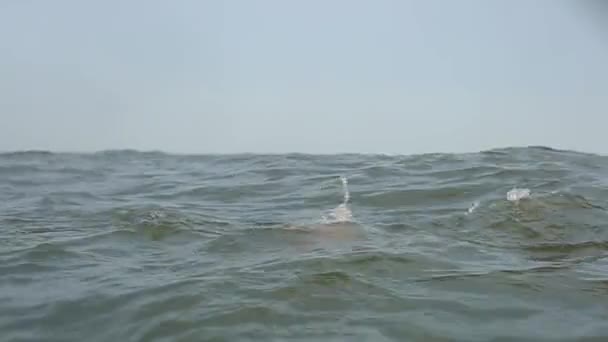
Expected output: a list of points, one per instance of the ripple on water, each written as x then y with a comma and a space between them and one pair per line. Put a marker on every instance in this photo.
131, 246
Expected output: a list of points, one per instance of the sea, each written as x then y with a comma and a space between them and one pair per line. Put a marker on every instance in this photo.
508, 244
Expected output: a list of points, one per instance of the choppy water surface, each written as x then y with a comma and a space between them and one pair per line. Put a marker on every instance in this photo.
128, 246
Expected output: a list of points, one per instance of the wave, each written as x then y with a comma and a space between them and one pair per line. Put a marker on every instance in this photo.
166, 244
506, 150
27, 153
131, 152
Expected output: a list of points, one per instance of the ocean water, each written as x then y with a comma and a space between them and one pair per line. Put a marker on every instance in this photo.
504, 245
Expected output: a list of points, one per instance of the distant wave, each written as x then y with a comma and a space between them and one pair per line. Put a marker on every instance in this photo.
27, 153
130, 152
296, 155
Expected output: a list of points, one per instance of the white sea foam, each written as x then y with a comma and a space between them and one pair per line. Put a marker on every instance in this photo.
516, 194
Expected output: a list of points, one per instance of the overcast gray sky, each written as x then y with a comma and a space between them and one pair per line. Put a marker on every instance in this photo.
317, 76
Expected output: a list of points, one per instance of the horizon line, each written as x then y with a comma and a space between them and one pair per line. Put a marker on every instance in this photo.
166, 152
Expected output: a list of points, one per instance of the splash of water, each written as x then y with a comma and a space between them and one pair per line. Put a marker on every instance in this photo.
345, 189
474, 206
516, 194
341, 213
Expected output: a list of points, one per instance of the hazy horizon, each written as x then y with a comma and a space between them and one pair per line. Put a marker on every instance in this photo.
217, 77
175, 153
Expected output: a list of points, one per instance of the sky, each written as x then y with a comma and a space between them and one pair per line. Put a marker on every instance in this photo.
314, 76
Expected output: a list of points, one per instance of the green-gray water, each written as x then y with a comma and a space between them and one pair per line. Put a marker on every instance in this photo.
129, 246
